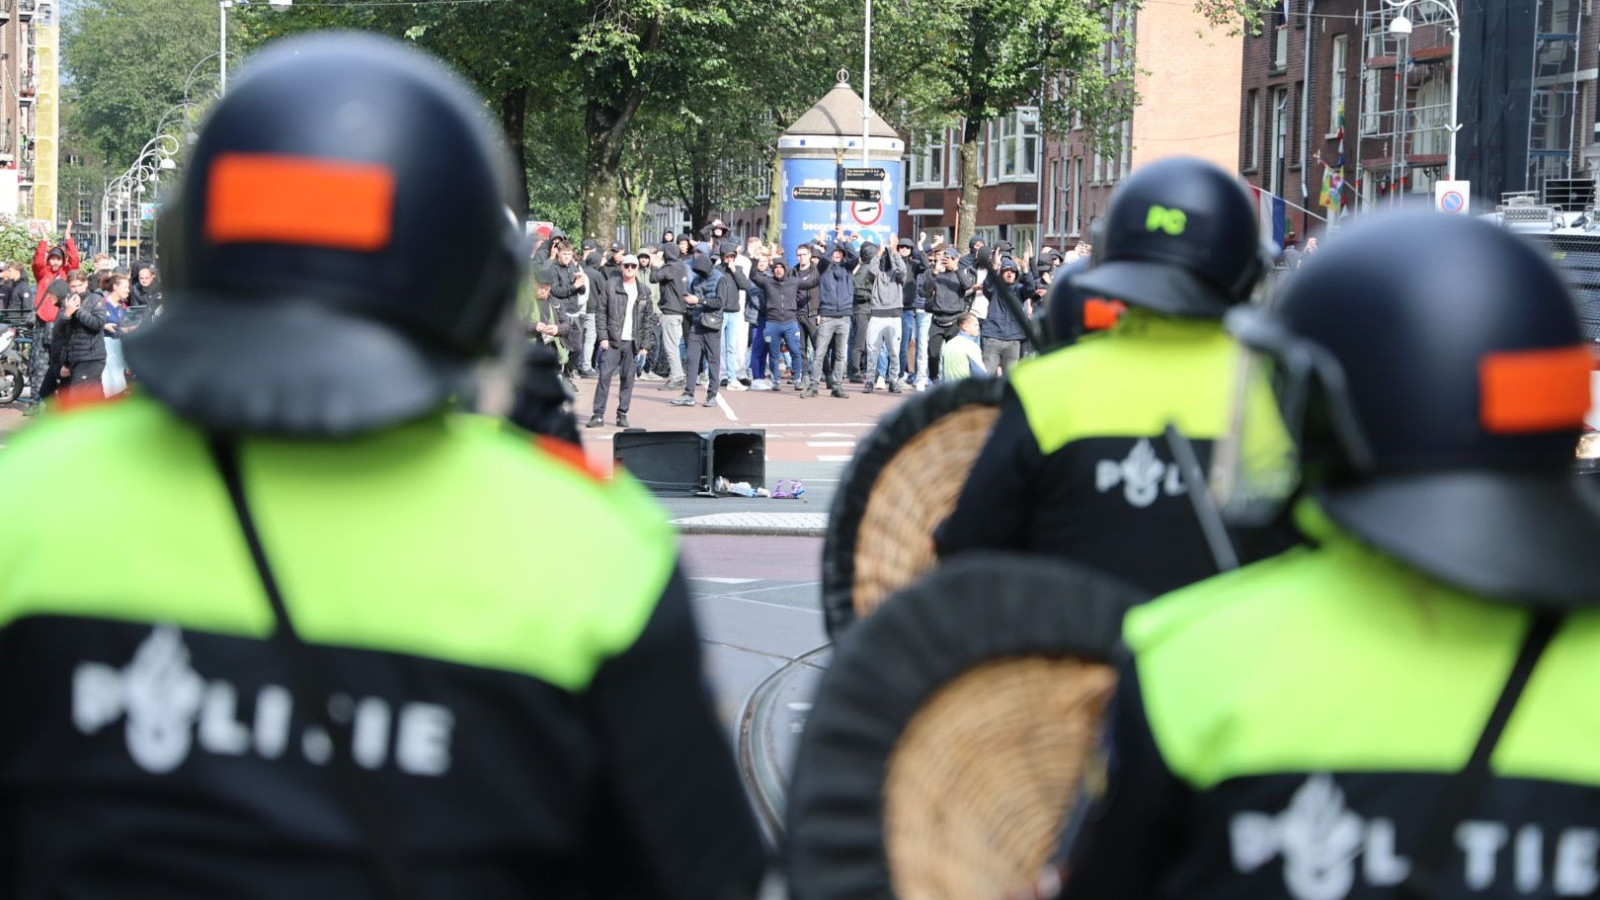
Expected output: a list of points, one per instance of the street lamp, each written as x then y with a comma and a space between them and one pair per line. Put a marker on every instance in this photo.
1451, 11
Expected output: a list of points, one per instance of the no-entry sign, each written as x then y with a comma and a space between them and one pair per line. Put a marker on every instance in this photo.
1454, 197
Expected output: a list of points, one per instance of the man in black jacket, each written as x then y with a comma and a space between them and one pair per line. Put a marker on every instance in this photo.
836, 290
782, 291
861, 312
713, 295
672, 274
83, 318
949, 289
625, 320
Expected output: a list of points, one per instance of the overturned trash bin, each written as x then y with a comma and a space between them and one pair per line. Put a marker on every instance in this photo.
737, 455
665, 462
690, 462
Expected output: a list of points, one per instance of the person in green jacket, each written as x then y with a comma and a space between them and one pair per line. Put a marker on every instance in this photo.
1406, 706
340, 647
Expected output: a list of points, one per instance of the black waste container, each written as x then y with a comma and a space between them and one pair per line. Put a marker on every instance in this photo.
737, 455
666, 462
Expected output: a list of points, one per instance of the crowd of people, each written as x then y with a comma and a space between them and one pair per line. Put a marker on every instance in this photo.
726, 314
352, 641
77, 318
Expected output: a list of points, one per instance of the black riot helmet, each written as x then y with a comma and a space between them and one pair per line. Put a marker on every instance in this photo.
1070, 313
341, 251
1431, 372
1181, 237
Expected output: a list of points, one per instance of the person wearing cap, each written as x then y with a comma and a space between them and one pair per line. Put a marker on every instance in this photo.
357, 649
1404, 707
626, 320
1079, 464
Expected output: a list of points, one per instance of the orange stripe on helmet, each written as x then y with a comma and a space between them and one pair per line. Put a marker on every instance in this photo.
1534, 390
259, 198
1100, 314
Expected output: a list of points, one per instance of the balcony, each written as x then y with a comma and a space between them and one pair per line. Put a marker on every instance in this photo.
25, 10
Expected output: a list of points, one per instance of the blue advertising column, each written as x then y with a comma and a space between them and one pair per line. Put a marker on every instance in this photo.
829, 137
805, 215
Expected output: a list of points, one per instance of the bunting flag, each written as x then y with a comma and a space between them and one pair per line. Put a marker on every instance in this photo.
1326, 197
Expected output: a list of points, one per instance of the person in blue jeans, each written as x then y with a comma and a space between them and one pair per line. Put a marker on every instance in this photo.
783, 330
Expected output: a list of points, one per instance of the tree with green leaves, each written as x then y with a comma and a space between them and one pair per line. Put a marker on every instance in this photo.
126, 61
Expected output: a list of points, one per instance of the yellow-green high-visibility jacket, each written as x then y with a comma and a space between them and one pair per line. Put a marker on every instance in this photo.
514, 673
1077, 465
1286, 730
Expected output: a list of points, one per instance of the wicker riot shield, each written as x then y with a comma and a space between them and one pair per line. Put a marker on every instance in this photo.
903, 482
948, 735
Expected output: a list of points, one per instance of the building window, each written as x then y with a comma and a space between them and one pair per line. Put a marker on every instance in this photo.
1055, 196
1028, 146
1099, 168
1280, 139
1008, 146
1077, 196
927, 160
1337, 57
1252, 130
1295, 102
1280, 48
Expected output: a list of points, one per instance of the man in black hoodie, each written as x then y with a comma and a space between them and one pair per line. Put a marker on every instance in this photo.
949, 290
836, 290
782, 291
861, 311
712, 296
670, 274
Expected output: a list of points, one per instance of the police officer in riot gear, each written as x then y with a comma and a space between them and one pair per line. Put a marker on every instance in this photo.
338, 647
1077, 465
1405, 707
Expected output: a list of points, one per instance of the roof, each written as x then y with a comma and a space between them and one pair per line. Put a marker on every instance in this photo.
837, 114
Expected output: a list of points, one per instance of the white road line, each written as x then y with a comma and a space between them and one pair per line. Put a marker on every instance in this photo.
726, 409
813, 424
726, 580
829, 434
830, 443
826, 458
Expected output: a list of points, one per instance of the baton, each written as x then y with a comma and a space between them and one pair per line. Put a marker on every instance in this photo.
1205, 511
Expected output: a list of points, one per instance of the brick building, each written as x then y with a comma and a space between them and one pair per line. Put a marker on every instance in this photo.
1331, 74
1058, 187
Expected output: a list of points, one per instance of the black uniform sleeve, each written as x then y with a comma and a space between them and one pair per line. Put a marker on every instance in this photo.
1126, 828
994, 509
679, 825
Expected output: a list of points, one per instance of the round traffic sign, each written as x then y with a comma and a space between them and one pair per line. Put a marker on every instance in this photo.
866, 213
1452, 201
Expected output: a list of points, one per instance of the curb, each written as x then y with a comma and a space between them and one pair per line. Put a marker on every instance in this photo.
786, 531
765, 524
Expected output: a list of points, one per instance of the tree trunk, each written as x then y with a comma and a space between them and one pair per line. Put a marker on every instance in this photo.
514, 119
775, 202
967, 206
602, 171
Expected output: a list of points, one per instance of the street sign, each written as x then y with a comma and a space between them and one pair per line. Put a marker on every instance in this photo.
853, 195
866, 214
814, 193
865, 174
1454, 197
